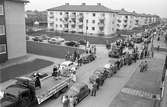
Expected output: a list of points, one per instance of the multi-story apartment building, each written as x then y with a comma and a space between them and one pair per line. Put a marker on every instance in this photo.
93, 19
125, 20
12, 29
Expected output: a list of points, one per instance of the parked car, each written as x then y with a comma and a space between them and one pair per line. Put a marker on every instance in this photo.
138, 39
56, 40
109, 69
72, 43
38, 39
67, 66
86, 58
78, 92
82, 42
45, 37
98, 73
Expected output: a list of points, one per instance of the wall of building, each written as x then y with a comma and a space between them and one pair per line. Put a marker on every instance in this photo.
15, 29
3, 42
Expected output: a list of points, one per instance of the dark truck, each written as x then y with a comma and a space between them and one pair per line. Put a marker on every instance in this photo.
24, 93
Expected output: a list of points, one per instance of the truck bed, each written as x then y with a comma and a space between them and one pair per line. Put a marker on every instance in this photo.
47, 85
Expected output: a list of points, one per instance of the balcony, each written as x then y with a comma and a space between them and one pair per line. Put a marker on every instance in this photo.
101, 17
101, 24
80, 16
80, 23
65, 16
72, 16
65, 29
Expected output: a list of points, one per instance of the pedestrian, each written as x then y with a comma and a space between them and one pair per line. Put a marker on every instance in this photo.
65, 101
74, 77
71, 99
141, 66
98, 83
158, 47
94, 89
145, 66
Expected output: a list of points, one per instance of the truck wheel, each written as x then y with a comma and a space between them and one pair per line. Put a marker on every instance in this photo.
56, 95
64, 89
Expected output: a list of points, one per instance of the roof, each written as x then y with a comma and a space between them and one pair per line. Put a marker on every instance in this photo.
82, 8
123, 12
23, 1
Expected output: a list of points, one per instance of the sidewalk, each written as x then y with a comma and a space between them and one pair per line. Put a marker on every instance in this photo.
141, 89
162, 43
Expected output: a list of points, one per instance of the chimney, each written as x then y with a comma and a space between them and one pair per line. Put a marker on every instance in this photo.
99, 4
67, 4
83, 4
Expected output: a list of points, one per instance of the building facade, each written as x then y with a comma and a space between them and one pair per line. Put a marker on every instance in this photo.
12, 29
93, 19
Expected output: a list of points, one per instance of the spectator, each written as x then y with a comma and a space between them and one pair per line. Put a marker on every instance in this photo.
94, 89
65, 101
74, 77
71, 101
98, 83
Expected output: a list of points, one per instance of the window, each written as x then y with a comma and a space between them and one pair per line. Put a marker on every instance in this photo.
87, 21
51, 24
86, 27
2, 48
51, 13
93, 21
60, 13
113, 22
2, 30
113, 15
93, 28
60, 26
1, 10
60, 19
56, 25
112, 29
94, 14
56, 19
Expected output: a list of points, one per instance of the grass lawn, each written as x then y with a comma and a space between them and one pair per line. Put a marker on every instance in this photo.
22, 69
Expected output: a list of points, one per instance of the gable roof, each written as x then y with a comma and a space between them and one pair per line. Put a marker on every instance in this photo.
124, 12
82, 8
23, 1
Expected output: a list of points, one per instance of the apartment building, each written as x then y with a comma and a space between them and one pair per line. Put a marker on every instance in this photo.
12, 29
93, 19
125, 20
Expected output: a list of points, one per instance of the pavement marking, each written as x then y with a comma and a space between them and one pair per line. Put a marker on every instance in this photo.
140, 93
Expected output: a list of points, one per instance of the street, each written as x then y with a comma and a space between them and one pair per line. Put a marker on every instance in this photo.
111, 88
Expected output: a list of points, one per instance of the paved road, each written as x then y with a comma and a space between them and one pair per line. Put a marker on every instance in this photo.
106, 93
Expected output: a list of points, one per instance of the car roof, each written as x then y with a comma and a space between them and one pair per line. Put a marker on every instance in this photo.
79, 85
15, 90
66, 63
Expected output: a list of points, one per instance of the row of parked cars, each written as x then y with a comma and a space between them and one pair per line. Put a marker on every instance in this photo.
80, 90
57, 40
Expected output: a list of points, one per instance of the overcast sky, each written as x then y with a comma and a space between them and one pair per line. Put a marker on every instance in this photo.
158, 7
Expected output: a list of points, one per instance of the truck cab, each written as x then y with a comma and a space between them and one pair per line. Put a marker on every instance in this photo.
17, 95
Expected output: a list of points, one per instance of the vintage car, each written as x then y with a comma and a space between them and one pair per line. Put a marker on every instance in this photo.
98, 73
115, 51
86, 58
138, 39
72, 43
56, 40
68, 66
78, 92
109, 69
38, 38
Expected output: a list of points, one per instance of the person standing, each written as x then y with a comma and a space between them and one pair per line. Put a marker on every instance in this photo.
65, 101
94, 89
71, 100
98, 83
